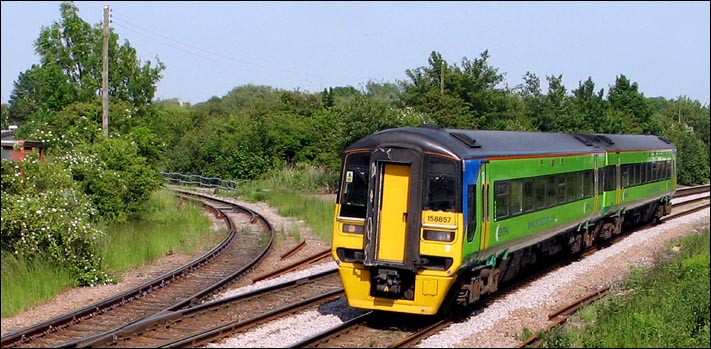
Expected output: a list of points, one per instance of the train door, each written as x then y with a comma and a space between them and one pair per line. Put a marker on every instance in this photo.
393, 219
597, 184
485, 209
472, 206
618, 180
392, 216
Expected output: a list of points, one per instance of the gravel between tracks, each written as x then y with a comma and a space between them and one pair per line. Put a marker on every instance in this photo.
499, 325
503, 323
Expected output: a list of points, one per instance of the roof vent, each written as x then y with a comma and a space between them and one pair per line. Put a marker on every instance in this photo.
464, 138
605, 139
583, 138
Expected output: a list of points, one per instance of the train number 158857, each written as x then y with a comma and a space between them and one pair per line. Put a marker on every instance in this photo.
439, 219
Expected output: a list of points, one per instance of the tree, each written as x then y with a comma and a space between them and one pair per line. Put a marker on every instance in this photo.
464, 97
588, 106
554, 116
70, 69
4, 118
626, 102
686, 124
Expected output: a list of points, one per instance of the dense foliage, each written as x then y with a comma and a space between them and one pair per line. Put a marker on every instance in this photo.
51, 210
254, 131
46, 215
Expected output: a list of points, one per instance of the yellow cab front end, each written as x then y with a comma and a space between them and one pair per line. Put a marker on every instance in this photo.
440, 249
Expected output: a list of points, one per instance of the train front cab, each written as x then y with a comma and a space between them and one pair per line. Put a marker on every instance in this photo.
397, 233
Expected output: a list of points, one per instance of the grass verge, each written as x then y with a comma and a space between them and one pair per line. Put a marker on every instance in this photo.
27, 283
169, 225
291, 192
666, 306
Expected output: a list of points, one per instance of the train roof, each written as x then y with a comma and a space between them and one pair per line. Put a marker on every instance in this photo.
465, 144
617, 142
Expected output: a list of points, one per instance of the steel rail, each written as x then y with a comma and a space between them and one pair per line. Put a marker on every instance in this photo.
28, 334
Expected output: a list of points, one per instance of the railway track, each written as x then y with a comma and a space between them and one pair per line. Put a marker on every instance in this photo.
365, 331
213, 320
195, 325
686, 191
188, 285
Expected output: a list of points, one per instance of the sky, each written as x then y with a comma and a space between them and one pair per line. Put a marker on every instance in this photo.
211, 47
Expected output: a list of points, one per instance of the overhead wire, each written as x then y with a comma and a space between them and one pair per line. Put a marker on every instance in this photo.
158, 37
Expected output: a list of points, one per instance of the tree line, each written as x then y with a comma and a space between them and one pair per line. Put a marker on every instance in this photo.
255, 130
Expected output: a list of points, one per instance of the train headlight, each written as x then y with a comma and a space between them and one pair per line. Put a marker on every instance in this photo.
438, 235
353, 228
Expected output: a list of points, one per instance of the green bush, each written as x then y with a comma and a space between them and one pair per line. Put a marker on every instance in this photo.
44, 215
114, 176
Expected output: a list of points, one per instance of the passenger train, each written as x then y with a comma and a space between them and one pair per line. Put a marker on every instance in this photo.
428, 218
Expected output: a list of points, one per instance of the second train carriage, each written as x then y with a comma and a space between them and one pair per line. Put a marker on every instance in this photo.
427, 216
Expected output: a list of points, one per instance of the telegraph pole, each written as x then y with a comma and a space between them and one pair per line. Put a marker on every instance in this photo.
441, 78
105, 75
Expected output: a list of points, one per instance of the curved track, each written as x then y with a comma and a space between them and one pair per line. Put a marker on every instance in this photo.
180, 288
200, 324
211, 321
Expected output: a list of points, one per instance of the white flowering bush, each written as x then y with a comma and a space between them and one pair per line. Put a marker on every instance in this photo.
45, 215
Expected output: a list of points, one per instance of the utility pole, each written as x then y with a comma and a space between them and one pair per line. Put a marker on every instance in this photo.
441, 78
105, 75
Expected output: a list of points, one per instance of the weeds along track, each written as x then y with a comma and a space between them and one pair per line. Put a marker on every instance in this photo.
248, 239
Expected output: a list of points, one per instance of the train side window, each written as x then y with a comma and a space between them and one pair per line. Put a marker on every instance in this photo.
669, 169
625, 169
570, 185
501, 199
516, 197
655, 171
561, 188
354, 190
663, 170
649, 172
551, 188
609, 178
588, 184
471, 224
529, 197
540, 186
